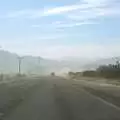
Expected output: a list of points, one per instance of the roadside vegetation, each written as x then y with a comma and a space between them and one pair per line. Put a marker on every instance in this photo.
105, 71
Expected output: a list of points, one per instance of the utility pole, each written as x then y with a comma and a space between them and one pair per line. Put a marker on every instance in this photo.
117, 60
19, 64
38, 68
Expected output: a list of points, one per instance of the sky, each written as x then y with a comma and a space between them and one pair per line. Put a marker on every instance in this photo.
61, 28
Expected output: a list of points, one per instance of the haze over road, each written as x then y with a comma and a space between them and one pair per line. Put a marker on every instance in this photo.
55, 98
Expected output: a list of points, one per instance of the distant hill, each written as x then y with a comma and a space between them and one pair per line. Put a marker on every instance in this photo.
9, 63
31, 64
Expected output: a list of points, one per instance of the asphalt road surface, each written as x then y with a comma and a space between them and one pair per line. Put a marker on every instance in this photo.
55, 98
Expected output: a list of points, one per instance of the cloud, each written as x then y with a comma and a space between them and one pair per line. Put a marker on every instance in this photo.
90, 6
85, 12
85, 5
96, 2
100, 8
64, 9
36, 13
75, 24
62, 24
48, 11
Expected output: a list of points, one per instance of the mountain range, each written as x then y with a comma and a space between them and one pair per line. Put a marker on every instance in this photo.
31, 64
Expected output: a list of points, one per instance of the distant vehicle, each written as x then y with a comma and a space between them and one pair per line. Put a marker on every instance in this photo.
52, 74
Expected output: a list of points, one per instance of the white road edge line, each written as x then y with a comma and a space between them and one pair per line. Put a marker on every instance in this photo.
102, 100
102, 84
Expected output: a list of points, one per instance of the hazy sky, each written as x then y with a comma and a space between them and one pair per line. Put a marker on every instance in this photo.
58, 28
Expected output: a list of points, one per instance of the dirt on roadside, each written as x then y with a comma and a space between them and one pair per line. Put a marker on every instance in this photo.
12, 94
104, 95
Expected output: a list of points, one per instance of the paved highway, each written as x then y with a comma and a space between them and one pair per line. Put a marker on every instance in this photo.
54, 98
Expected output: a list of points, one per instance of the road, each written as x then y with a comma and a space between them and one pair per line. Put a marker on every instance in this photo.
55, 98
